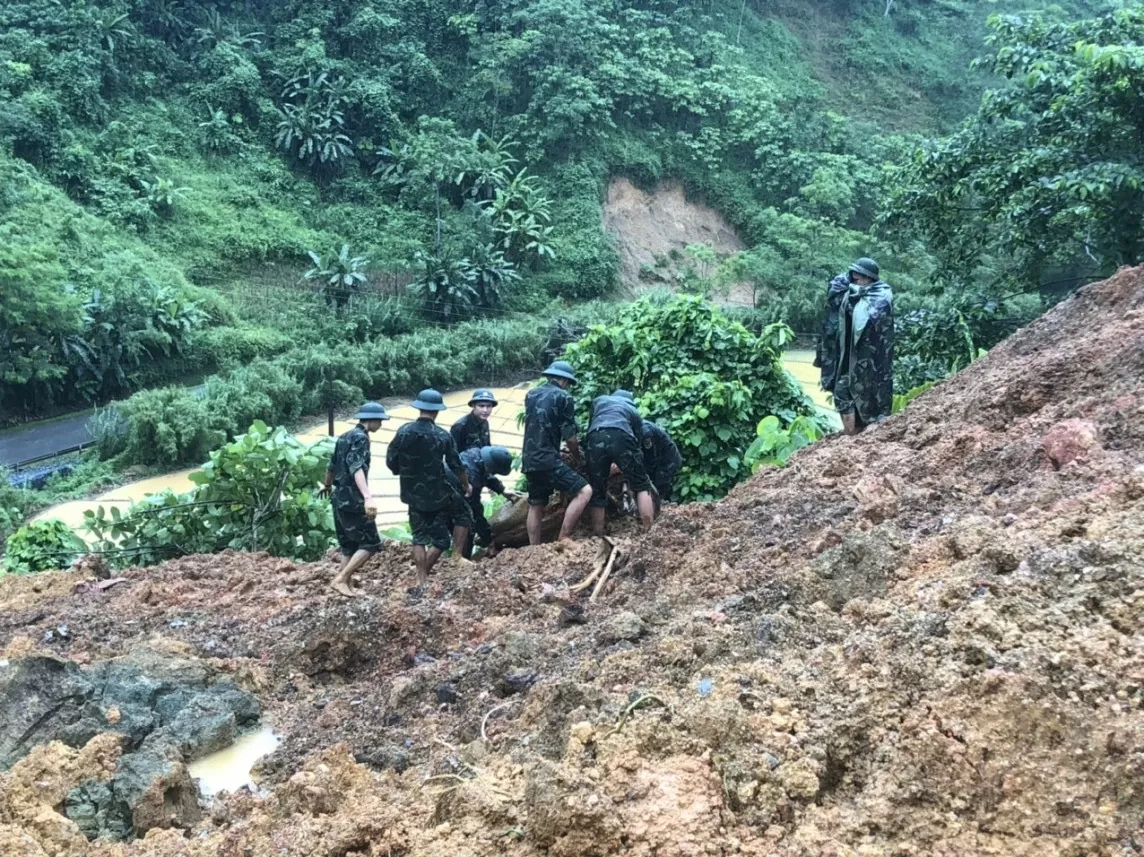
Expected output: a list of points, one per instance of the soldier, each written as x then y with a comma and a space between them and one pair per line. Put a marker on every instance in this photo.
549, 418
483, 466
614, 436
472, 430
661, 460
856, 349
419, 454
354, 511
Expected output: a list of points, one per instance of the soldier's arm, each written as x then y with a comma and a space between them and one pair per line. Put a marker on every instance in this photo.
494, 485
457, 433
569, 431
672, 460
453, 462
362, 484
393, 455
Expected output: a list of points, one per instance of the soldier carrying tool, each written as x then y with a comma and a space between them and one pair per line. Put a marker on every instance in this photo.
419, 454
856, 349
354, 511
472, 430
614, 436
483, 466
550, 418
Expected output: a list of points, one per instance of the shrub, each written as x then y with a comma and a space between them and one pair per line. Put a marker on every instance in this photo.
236, 346
258, 493
775, 444
41, 546
261, 390
169, 426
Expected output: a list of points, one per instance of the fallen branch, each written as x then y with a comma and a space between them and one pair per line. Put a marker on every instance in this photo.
485, 719
627, 712
603, 554
607, 571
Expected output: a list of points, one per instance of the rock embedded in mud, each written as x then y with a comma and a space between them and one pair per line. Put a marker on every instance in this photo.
1070, 440
623, 626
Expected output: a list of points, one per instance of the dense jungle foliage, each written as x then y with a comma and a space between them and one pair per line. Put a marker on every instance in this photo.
168, 169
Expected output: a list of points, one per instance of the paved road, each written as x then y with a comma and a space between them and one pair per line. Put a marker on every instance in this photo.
43, 438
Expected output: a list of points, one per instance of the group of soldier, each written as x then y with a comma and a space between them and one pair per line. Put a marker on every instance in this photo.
443, 475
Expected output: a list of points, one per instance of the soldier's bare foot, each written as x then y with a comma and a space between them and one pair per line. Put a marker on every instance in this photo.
343, 588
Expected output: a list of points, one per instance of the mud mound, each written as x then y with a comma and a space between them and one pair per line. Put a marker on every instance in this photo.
921, 641
652, 229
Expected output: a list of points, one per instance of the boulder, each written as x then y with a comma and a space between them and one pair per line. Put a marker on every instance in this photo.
1070, 440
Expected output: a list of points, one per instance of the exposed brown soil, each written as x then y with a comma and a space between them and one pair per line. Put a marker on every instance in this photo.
652, 229
925, 640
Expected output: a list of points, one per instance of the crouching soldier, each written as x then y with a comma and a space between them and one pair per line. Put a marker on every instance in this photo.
472, 430
614, 438
354, 512
419, 454
483, 466
661, 460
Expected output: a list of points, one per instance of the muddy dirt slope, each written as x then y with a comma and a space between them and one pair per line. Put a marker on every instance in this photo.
923, 641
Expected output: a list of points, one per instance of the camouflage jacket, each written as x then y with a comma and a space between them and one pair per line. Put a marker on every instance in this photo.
661, 455
418, 454
469, 431
617, 413
549, 420
479, 476
351, 454
858, 341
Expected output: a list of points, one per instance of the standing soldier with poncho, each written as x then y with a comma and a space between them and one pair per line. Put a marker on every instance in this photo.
856, 350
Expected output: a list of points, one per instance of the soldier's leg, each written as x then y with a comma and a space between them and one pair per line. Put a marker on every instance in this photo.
600, 462
539, 490
420, 525
461, 515
845, 404
359, 533
571, 482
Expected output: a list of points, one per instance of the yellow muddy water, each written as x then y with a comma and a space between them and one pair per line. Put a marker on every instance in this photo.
391, 511
229, 768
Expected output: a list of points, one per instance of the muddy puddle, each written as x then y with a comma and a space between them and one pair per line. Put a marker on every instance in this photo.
229, 769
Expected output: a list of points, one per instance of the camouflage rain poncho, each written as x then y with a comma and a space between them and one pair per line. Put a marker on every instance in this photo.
856, 351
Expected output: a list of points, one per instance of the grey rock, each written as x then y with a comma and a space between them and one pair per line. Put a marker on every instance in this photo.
624, 626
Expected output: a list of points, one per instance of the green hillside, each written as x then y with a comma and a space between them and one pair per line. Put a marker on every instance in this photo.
166, 168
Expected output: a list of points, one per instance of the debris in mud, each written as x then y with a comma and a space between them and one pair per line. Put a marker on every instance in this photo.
924, 640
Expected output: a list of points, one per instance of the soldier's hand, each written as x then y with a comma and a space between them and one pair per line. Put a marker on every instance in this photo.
511, 496
323, 493
468, 490
371, 508
615, 469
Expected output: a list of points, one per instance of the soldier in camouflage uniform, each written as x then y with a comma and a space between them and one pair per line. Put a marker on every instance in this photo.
354, 512
472, 430
856, 349
661, 460
483, 466
614, 436
419, 454
549, 418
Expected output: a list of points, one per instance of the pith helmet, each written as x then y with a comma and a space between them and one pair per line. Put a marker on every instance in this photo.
561, 369
371, 411
497, 459
866, 267
429, 400
624, 394
484, 394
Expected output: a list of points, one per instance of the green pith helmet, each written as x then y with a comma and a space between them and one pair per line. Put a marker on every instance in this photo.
484, 394
866, 267
497, 459
429, 400
624, 394
561, 369
371, 411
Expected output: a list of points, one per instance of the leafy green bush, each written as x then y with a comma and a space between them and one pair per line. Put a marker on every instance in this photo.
258, 493
237, 346
41, 546
775, 444
14, 503
703, 377
903, 399
169, 426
